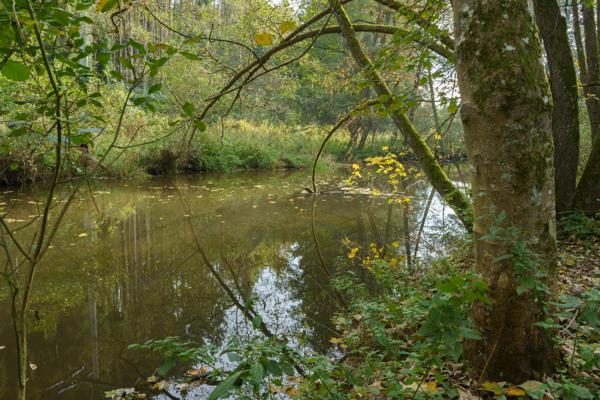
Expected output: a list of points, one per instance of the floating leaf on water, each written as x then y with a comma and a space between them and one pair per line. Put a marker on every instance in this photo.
197, 371
2, 347
33, 366
82, 235
119, 394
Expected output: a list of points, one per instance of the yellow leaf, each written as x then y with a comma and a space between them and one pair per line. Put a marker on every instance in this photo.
151, 379
81, 235
287, 26
570, 261
430, 387
335, 340
492, 387
263, 39
160, 385
103, 5
515, 391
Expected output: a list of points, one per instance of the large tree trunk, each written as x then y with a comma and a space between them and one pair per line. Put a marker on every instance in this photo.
506, 113
592, 83
588, 189
565, 114
427, 161
581, 62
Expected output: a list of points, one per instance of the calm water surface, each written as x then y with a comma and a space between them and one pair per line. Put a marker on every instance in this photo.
127, 269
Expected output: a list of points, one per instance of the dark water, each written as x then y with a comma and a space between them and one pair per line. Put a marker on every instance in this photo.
127, 269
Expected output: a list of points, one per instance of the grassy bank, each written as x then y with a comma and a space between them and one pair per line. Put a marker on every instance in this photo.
158, 144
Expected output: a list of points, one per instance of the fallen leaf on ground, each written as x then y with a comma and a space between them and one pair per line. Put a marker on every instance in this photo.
492, 387
466, 395
531, 386
515, 391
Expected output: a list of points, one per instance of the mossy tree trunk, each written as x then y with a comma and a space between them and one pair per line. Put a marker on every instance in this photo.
565, 114
592, 83
506, 113
581, 62
588, 189
427, 161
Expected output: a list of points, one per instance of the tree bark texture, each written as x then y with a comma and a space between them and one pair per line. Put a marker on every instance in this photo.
506, 114
565, 114
588, 189
592, 83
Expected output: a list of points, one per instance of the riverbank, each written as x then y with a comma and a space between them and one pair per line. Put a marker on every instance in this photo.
406, 339
236, 145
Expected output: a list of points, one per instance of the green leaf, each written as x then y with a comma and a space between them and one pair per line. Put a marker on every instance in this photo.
257, 372
166, 365
225, 387
190, 56
137, 45
126, 63
188, 108
15, 71
154, 88
469, 333
452, 107
18, 132
492, 387
117, 75
200, 125
532, 386
257, 322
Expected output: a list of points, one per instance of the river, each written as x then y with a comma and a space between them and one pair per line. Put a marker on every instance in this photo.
124, 267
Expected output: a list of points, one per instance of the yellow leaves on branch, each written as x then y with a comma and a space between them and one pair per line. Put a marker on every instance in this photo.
263, 39
105, 5
287, 26
352, 253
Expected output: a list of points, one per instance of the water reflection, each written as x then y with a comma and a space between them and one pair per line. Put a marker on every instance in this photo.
129, 271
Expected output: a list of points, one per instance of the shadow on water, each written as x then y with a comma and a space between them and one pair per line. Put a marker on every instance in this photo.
129, 271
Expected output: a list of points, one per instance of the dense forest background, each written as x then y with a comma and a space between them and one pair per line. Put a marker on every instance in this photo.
281, 115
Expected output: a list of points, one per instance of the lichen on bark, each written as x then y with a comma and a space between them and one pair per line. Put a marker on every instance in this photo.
506, 116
